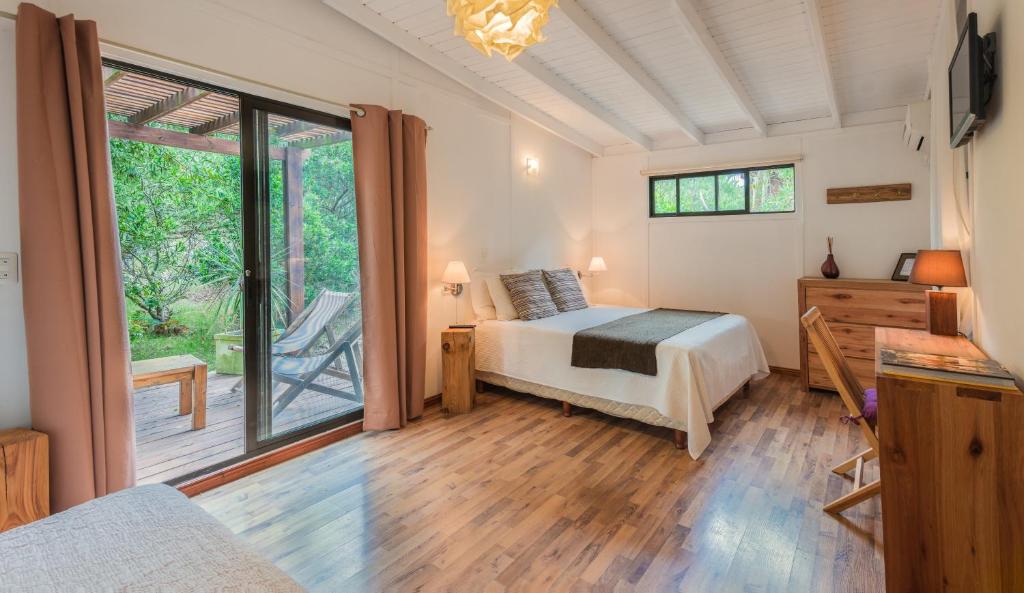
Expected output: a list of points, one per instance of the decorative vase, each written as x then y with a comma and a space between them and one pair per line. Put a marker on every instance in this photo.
829, 269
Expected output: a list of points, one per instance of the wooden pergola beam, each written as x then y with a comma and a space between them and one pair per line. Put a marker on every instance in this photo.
126, 131
224, 121
114, 77
165, 106
342, 136
296, 127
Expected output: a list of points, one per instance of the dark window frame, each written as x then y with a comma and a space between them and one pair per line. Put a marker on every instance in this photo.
716, 174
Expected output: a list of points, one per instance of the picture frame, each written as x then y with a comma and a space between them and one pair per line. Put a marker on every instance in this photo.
903, 267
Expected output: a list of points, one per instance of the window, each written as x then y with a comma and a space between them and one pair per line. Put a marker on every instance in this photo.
756, 190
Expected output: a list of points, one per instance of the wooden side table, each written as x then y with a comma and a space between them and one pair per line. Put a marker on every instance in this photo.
24, 477
190, 374
458, 370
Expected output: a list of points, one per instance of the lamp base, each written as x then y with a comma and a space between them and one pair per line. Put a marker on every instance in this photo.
942, 314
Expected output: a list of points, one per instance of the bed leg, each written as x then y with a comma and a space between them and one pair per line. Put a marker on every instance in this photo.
566, 409
479, 386
679, 437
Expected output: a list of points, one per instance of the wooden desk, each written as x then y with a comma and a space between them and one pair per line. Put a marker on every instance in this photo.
952, 469
190, 374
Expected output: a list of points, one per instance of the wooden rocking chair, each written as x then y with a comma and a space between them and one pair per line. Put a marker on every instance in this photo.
861, 404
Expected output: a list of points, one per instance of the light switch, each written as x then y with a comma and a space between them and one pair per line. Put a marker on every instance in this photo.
8, 268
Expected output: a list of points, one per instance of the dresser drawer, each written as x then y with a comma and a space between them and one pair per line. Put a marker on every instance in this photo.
863, 369
856, 341
892, 308
857, 298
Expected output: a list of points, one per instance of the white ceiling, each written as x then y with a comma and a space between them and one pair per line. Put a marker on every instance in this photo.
659, 73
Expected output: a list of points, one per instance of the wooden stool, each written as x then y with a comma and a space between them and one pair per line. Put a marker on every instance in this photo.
24, 477
186, 370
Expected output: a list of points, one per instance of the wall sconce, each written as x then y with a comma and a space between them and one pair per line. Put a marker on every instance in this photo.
596, 265
455, 275
532, 166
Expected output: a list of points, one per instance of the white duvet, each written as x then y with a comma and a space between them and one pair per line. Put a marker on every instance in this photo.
698, 369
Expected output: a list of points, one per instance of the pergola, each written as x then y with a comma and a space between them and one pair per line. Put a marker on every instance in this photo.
143, 100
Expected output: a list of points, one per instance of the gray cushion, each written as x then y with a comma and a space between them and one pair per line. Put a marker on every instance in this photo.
565, 289
530, 295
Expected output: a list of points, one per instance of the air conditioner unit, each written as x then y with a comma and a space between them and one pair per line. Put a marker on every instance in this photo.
916, 126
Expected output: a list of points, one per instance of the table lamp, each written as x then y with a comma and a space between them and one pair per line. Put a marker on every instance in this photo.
940, 267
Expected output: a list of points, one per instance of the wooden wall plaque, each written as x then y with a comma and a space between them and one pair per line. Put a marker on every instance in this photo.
872, 193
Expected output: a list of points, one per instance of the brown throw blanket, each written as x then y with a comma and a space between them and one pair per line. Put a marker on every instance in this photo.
630, 343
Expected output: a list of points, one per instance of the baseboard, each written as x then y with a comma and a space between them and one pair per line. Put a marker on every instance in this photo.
433, 400
784, 371
250, 466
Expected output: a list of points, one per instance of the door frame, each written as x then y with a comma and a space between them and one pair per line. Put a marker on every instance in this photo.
255, 249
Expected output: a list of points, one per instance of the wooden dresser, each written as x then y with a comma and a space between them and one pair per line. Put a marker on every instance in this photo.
950, 452
853, 309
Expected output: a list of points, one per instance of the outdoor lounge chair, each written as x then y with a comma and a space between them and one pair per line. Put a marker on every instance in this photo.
294, 364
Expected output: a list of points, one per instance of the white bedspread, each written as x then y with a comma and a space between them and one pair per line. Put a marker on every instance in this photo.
149, 539
697, 369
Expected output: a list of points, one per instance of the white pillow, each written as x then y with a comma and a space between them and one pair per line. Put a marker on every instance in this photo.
480, 296
502, 299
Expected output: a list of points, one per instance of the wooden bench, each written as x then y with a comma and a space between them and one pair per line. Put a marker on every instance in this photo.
186, 370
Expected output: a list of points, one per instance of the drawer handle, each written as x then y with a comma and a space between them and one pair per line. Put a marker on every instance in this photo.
982, 394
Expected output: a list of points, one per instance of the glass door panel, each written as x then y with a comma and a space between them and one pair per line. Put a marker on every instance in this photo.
310, 296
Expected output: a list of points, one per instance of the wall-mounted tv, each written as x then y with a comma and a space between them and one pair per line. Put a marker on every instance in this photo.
970, 78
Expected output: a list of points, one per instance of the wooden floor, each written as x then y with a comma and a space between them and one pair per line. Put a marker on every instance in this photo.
514, 497
166, 447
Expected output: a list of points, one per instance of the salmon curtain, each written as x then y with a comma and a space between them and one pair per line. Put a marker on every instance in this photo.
75, 326
389, 152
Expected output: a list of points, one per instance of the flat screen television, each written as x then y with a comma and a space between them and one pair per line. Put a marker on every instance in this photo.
967, 77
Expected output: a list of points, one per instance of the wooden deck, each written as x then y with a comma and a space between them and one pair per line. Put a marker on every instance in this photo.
513, 497
167, 447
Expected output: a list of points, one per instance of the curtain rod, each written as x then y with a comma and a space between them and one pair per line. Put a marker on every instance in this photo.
359, 111
722, 166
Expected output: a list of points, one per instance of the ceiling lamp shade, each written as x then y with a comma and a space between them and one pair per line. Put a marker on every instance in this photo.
504, 26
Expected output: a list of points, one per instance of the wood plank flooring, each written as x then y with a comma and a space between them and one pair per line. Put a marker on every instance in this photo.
514, 497
166, 447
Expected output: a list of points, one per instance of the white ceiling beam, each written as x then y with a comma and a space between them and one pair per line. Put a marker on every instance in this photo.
355, 10
590, 29
545, 76
690, 19
821, 54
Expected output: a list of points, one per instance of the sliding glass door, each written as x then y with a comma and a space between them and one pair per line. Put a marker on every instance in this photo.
240, 261
304, 312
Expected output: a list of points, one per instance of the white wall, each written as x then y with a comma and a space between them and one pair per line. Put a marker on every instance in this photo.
750, 264
984, 216
483, 209
13, 372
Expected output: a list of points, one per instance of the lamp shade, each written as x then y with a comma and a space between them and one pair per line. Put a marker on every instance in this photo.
939, 267
505, 26
597, 264
455, 273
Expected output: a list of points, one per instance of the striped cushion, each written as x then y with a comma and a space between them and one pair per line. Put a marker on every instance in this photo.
565, 289
530, 296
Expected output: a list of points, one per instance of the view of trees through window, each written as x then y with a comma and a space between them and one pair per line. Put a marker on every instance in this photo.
179, 221
753, 191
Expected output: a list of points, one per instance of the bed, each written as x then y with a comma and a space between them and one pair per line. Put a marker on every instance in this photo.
145, 539
698, 369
